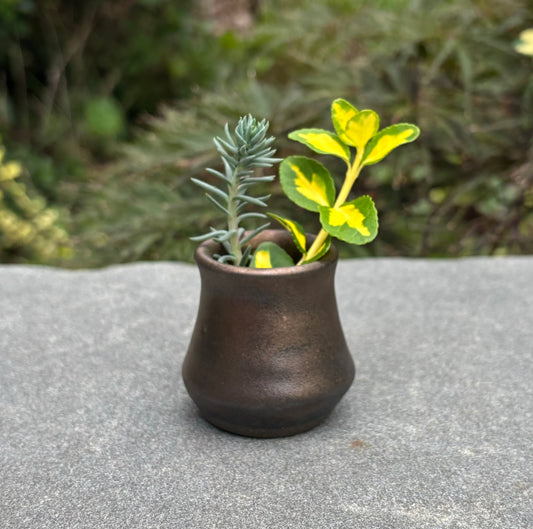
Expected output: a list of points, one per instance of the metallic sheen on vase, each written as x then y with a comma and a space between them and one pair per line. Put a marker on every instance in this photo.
268, 357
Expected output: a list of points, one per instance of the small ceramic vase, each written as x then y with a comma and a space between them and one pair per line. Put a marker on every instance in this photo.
268, 357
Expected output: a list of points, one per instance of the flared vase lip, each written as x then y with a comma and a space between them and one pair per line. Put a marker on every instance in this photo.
203, 256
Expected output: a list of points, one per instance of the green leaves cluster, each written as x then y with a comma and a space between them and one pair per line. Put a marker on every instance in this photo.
309, 184
30, 230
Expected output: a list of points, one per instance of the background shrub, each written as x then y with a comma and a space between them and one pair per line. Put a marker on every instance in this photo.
30, 231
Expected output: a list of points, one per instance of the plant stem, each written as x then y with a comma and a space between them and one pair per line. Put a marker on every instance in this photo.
317, 244
233, 221
351, 176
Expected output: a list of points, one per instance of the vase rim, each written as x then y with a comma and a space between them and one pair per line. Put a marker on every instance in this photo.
204, 257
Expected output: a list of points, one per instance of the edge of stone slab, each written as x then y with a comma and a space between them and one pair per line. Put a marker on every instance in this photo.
173, 264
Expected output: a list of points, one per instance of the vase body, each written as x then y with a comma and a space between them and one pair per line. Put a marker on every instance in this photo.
267, 357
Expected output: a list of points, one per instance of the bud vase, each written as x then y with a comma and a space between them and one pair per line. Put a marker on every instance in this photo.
267, 357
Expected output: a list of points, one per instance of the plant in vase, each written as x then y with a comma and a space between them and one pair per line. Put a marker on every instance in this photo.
309, 184
246, 150
268, 356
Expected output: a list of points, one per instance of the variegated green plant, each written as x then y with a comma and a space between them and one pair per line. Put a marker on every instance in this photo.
309, 184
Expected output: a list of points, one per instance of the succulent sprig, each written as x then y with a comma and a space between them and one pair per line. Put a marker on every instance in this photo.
242, 152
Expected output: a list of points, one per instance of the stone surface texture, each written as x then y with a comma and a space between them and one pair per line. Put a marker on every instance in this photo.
97, 431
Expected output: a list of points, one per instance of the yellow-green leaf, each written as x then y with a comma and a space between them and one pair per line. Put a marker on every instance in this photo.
295, 229
360, 129
306, 182
322, 141
341, 113
269, 255
388, 139
355, 222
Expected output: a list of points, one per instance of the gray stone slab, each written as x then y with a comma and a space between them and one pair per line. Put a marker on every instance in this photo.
97, 431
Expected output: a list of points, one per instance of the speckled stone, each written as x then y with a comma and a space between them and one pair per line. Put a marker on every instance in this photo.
97, 431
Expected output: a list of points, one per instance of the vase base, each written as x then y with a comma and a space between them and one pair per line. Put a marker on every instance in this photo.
270, 417
262, 432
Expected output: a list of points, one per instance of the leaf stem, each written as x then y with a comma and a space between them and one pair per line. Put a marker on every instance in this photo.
351, 176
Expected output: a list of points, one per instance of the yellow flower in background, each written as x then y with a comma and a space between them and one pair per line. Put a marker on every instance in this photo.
524, 44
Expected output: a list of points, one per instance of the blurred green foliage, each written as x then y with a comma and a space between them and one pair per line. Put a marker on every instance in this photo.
465, 187
103, 117
59, 55
74, 76
30, 231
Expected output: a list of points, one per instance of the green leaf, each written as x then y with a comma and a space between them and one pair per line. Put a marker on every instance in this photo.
360, 129
355, 222
295, 229
306, 182
269, 255
341, 113
324, 249
322, 141
388, 139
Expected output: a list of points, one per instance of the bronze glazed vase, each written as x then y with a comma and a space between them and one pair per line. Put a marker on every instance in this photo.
268, 357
